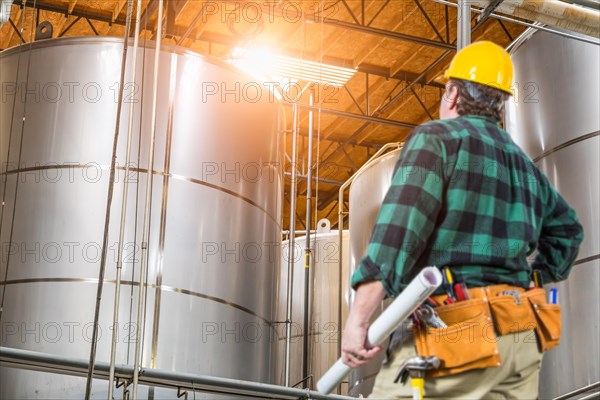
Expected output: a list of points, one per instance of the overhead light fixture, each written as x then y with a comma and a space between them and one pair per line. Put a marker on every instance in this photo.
311, 71
261, 63
5, 6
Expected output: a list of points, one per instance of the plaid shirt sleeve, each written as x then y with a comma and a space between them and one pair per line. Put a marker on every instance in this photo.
408, 214
559, 241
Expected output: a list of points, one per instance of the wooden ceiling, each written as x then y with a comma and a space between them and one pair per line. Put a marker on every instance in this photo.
400, 49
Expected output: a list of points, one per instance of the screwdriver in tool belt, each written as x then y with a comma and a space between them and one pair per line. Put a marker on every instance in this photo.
537, 278
447, 283
461, 291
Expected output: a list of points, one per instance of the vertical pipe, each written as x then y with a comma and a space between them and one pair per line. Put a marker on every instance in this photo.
367, 94
308, 248
341, 235
109, 198
113, 346
464, 24
146, 229
291, 252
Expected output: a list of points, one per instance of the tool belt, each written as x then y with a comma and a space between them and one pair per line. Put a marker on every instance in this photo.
470, 339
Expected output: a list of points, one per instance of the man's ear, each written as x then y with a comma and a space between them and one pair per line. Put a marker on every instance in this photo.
452, 97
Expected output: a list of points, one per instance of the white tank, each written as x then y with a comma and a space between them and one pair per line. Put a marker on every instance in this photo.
554, 118
324, 303
215, 216
367, 192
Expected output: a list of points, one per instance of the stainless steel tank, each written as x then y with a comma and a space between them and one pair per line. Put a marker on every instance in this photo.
324, 303
215, 213
366, 196
554, 118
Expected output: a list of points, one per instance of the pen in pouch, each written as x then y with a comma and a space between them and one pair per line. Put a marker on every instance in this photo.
553, 296
447, 283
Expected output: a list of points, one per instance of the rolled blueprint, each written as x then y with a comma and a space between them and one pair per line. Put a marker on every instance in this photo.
415, 293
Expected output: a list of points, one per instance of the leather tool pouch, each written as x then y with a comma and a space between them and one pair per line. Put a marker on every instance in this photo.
548, 318
469, 341
512, 314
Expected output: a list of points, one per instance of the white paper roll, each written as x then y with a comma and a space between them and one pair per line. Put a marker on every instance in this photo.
415, 293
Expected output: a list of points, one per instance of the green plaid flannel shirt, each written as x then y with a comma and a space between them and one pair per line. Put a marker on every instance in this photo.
464, 195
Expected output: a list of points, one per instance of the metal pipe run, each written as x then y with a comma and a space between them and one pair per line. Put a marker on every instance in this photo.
287, 232
113, 346
111, 186
32, 360
530, 25
308, 249
140, 320
463, 24
291, 248
555, 13
522, 37
585, 3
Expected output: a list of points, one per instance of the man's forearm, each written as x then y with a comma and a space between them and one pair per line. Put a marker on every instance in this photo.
368, 298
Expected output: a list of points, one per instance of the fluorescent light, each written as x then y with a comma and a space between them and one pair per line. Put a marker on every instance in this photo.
5, 11
260, 63
311, 71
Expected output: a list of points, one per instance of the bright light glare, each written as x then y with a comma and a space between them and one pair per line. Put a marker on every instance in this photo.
5, 11
262, 64
255, 62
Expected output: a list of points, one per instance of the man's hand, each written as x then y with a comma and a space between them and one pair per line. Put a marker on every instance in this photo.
356, 350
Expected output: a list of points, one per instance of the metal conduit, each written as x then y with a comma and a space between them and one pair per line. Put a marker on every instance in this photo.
140, 320
585, 3
291, 248
533, 25
111, 186
32, 360
463, 24
555, 13
10, 138
117, 301
308, 250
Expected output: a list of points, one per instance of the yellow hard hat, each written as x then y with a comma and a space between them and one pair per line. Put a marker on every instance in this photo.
485, 63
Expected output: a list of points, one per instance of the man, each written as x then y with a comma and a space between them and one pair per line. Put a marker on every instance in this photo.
464, 195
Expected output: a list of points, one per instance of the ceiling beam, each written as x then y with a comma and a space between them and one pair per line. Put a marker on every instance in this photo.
118, 8
107, 16
338, 139
349, 115
78, 11
148, 12
174, 8
294, 15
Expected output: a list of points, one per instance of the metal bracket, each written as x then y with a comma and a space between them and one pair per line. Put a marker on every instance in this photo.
181, 394
44, 31
489, 10
309, 378
125, 384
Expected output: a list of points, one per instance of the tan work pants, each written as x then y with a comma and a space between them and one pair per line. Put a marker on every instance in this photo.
516, 378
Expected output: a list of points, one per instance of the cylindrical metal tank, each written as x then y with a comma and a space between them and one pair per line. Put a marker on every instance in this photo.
366, 195
213, 249
554, 118
324, 303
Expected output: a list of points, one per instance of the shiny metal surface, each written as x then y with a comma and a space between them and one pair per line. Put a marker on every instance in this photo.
323, 305
366, 195
557, 105
547, 110
220, 213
